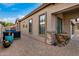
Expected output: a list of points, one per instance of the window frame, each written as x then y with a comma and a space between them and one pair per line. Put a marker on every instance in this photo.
31, 26
44, 24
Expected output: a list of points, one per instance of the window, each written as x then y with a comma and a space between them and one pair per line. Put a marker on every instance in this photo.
42, 24
30, 26
23, 25
72, 27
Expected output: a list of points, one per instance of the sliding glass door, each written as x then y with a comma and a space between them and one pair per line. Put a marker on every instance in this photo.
59, 25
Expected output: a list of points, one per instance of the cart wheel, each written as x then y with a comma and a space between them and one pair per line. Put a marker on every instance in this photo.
6, 44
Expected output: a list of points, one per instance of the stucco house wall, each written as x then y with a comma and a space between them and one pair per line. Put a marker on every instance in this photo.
50, 10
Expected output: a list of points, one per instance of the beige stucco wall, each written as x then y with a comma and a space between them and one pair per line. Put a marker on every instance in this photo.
24, 30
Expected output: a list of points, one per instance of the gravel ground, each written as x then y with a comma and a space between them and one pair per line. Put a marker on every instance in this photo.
27, 46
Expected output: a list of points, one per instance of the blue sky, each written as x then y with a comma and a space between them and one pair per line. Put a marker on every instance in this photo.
9, 12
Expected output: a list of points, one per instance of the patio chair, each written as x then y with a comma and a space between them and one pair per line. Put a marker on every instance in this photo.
62, 40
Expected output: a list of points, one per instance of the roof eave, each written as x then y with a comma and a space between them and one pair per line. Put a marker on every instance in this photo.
36, 10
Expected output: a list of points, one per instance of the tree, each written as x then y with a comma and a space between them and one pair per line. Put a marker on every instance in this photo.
7, 23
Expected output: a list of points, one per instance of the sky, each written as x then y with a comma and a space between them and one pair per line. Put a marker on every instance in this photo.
9, 12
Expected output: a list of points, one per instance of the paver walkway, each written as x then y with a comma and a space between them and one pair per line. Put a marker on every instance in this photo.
31, 47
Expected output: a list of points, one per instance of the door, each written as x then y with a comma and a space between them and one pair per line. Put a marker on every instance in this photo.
72, 29
59, 25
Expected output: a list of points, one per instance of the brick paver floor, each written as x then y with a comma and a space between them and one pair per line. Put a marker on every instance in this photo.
27, 46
